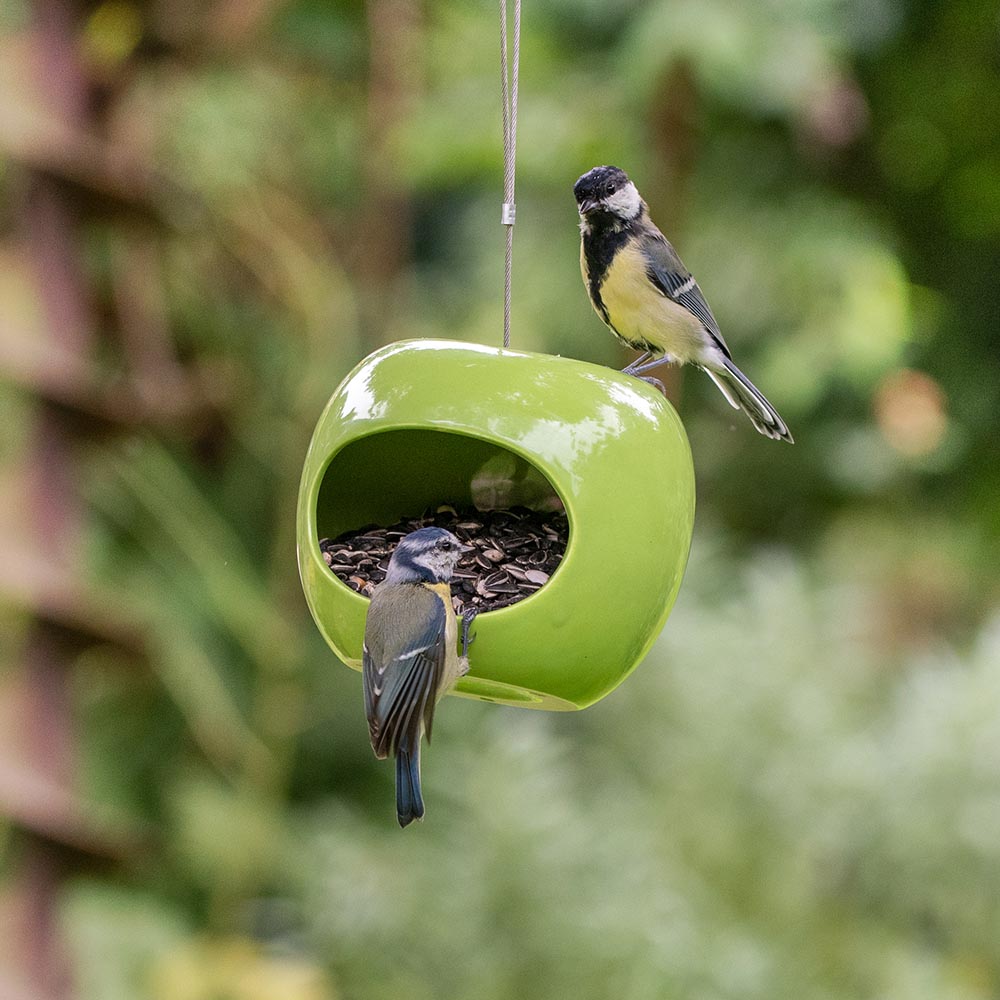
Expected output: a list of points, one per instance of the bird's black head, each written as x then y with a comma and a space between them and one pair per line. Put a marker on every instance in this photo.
607, 189
428, 555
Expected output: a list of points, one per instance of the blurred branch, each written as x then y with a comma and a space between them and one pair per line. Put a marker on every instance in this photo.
47, 146
69, 380
65, 378
34, 925
394, 81
165, 390
51, 811
673, 128
237, 22
34, 353
50, 234
35, 580
11, 986
43, 116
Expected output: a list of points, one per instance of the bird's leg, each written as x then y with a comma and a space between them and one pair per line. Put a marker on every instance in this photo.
646, 362
637, 369
467, 618
630, 368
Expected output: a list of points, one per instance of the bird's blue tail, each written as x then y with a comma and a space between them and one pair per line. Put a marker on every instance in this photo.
409, 802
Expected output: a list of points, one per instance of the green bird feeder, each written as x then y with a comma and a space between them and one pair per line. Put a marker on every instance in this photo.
423, 422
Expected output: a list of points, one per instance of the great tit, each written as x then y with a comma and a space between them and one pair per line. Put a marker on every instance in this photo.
410, 658
638, 285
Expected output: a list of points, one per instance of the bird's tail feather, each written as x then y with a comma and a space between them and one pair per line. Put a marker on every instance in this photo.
409, 801
744, 395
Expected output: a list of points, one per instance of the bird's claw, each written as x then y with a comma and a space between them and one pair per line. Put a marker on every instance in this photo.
645, 363
468, 617
654, 382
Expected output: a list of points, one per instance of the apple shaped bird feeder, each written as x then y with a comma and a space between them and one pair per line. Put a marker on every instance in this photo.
427, 422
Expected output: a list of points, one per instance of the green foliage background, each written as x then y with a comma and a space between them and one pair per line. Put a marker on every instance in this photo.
797, 795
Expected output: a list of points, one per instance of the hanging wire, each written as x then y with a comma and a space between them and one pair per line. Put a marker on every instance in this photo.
508, 75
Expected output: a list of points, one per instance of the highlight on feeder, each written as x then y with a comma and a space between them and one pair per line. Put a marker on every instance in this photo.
494, 501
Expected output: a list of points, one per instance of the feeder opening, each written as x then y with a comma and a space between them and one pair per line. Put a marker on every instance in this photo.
381, 487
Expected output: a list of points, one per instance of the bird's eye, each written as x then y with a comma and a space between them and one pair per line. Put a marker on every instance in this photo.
609, 189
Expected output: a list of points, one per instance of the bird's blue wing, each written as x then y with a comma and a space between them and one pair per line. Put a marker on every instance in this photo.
666, 270
402, 669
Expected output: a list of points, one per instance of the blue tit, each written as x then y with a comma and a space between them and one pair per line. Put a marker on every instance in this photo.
641, 289
410, 657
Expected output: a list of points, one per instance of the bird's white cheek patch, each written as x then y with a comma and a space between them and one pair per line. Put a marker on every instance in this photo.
626, 202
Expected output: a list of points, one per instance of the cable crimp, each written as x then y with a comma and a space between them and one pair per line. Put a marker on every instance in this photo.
507, 213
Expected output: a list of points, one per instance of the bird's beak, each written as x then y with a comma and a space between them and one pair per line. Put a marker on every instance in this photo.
466, 549
588, 205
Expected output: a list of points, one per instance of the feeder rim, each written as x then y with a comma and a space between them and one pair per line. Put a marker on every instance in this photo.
313, 529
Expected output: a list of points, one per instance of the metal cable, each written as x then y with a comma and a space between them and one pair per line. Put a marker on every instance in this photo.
509, 86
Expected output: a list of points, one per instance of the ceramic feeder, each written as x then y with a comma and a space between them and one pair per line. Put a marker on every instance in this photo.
420, 423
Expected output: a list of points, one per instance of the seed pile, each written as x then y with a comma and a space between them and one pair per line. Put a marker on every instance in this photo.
515, 553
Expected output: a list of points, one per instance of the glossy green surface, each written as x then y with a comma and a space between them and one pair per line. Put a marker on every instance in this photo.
426, 422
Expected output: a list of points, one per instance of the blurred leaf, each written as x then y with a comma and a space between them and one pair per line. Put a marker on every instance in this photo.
117, 935
236, 969
229, 579
227, 839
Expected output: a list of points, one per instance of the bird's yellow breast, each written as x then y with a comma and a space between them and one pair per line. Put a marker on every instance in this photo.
642, 314
452, 669
443, 592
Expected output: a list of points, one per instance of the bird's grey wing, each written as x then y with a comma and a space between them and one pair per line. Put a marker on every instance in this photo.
667, 271
401, 680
